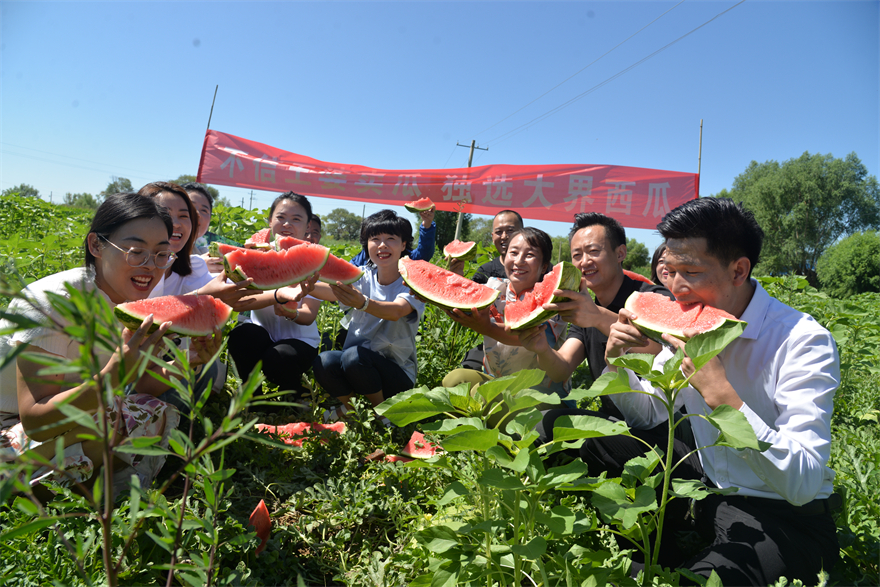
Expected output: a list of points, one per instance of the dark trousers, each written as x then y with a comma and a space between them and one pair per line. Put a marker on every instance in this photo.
359, 370
745, 540
284, 361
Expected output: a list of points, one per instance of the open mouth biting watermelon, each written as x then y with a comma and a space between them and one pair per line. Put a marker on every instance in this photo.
274, 269
460, 250
444, 288
528, 312
658, 315
334, 270
419, 205
189, 315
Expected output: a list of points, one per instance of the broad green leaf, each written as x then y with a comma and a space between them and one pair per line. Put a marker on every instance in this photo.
471, 440
415, 407
513, 383
528, 398
575, 427
639, 469
735, 430
77, 415
534, 550
499, 479
454, 490
694, 489
28, 528
560, 520
567, 473
639, 363
523, 423
704, 347
450, 425
500, 455
613, 502
606, 384
27, 506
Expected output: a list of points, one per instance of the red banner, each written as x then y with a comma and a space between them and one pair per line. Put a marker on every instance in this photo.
638, 198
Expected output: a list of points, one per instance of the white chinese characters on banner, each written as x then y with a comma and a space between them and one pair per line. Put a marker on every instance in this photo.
408, 186
456, 191
657, 194
580, 187
619, 197
264, 169
367, 181
539, 185
498, 191
333, 181
233, 160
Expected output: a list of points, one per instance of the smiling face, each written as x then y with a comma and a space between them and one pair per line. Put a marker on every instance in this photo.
114, 276
385, 250
662, 271
203, 209
289, 219
697, 276
600, 264
524, 264
183, 223
503, 226
313, 235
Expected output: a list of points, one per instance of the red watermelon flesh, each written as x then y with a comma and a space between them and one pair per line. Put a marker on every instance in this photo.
528, 312
419, 448
460, 250
334, 270
636, 276
295, 432
262, 523
656, 315
444, 288
274, 269
419, 205
189, 315
218, 249
260, 239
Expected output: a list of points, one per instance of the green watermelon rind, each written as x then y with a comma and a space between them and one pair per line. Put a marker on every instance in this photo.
468, 255
416, 210
444, 305
570, 279
237, 275
133, 322
655, 331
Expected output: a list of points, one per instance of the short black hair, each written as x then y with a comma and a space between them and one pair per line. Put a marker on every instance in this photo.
294, 197
122, 208
540, 239
730, 229
614, 231
317, 219
519, 219
386, 222
654, 261
192, 186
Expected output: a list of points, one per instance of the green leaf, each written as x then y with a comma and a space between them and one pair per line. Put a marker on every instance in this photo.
567, 473
415, 407
735, 430
28, 528
560, 520
479, 440
534, 550
27, 506
528, 398
500, 480
575, 427
613, 501
500, 455
639, 469
704, 347
454, 490
606, 384
513, 383
639, 363
450, 425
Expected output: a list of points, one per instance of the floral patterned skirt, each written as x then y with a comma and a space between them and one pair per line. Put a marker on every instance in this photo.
142, 415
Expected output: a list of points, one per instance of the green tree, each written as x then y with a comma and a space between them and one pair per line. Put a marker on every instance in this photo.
215, 193
342, 225
561, 249
83, 200
481, 231
117, 185
637, 255
24, 190
446, 227
851, 266
804, 206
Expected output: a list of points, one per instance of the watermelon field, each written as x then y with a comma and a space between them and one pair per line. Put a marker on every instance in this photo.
489, 510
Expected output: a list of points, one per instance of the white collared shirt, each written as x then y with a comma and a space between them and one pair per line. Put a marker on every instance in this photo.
786, 369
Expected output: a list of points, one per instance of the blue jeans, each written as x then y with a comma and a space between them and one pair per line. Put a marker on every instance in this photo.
359, 370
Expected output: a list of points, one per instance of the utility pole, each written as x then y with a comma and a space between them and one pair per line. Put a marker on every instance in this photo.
470, 162
363, 213
50, 197
251, 207
242, 202
700, 152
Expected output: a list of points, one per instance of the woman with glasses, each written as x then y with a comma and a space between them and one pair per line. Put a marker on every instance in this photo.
126, 252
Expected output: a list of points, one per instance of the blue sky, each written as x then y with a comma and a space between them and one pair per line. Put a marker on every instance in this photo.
93, 90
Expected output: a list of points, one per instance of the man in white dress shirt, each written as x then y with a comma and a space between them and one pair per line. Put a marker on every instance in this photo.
781, 374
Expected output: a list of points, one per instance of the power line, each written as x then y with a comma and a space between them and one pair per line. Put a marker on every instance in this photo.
552, 111
68, 157
582, 69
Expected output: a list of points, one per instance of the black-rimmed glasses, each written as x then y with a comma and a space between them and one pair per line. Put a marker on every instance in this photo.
138, 257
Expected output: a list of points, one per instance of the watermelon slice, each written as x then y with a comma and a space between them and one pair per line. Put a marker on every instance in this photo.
528, 313
274, 269
657, 315
295, 432
636, 276
334, 270
444, 288
419, 448
189, 315
262, 523
459, 250
419, 205
261, 239
218, 249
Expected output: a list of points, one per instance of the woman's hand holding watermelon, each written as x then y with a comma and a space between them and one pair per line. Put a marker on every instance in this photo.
205, 347
534, 339
231, 294
133, 344
295, 293
348, 295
